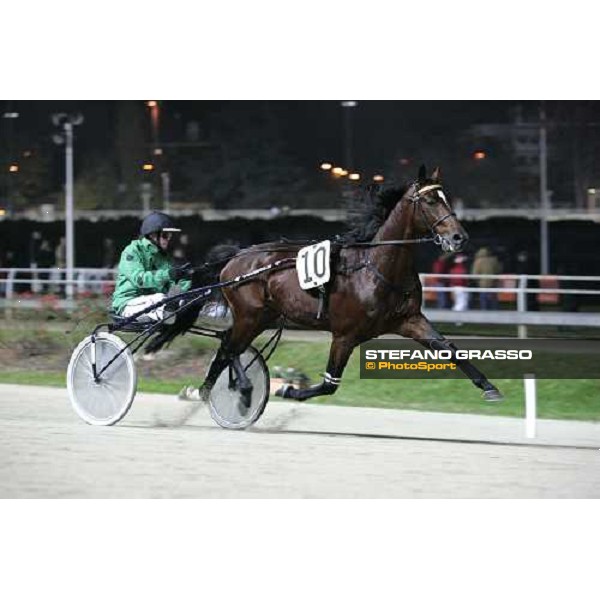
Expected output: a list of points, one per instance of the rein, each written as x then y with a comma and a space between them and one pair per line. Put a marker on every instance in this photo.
393, 242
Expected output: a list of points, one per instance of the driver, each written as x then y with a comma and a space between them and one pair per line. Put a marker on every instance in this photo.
146, 271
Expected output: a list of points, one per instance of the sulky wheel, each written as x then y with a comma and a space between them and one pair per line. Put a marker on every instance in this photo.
107, 400
228, 407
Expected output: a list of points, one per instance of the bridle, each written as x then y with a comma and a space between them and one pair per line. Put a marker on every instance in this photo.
416, 197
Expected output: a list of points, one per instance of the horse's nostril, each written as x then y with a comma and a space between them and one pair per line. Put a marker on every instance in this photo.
457, 237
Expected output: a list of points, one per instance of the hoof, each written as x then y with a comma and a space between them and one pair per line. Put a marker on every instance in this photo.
284, 391
493, 395
204, 393
189, 393
243, 408
246, 397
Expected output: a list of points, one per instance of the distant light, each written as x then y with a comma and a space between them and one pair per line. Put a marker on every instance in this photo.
343, 173
479, 155
13, 168
158, 151
337, 170
10, 115
405, 161
148, 167
354, 176
326, 166
2, 212
151, 103
349, 103
27, 153
378, 178
591, 190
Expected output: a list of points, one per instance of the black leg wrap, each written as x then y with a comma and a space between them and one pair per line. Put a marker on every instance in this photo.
323, 389
244, 384
472, 372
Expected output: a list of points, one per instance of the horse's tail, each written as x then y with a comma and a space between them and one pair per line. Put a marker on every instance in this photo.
205, 275
216, 259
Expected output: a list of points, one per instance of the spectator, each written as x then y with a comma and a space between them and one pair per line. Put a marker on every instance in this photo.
2, 274
45, 260
109, 257
460, 294
103, 280
440, 267
8, 263
34, 247
486, 263
525, 267
60, 262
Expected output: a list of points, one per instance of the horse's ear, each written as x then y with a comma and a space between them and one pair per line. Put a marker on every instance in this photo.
422, 174
436, 175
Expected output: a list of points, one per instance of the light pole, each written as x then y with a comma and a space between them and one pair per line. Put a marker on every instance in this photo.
157, 153
348, 155
154, 120
347, 106
11, 116
544, 198
67, 122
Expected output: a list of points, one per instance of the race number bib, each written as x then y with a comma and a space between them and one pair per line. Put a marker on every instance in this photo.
312, 265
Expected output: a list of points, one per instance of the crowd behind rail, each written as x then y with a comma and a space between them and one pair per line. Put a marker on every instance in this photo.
453, 282
454, 291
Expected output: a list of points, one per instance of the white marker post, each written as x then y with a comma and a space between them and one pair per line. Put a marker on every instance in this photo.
530, 405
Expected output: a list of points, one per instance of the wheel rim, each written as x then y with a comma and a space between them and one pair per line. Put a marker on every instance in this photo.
226, 405
107, 401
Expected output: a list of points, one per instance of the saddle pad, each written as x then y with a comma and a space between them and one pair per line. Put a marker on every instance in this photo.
312, 265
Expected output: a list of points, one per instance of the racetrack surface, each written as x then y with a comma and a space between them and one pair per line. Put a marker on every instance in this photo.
160, 450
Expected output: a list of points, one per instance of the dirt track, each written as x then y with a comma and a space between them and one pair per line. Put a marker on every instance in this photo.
305, 451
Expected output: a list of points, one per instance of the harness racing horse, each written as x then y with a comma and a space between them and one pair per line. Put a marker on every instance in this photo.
375, 288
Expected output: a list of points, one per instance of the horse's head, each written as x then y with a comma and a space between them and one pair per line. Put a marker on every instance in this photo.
433, 212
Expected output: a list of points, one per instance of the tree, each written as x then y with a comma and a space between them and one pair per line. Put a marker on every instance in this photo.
33, 180
96, 187
246, 163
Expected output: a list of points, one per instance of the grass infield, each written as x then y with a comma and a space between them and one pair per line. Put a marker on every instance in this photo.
185, 362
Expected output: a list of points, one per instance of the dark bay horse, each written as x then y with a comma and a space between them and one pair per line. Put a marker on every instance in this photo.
374, 289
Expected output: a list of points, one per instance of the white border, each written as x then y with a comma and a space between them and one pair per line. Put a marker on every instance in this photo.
299, 549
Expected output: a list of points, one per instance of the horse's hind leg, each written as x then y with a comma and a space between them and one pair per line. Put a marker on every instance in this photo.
221, 360
339, 353
420, 329
234, 343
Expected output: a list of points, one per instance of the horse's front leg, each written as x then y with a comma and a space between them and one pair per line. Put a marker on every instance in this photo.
420, 329
339, 353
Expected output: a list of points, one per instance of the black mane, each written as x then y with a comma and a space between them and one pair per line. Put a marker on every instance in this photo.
366, 217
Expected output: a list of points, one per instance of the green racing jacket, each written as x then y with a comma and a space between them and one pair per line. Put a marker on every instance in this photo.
143, 270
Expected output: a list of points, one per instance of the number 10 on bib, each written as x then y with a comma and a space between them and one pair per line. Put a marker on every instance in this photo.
312, 265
